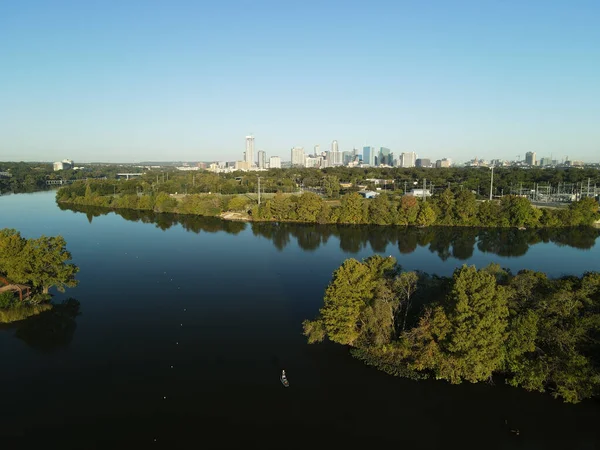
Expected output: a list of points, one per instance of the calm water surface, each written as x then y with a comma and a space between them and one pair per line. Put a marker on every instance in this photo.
186, 323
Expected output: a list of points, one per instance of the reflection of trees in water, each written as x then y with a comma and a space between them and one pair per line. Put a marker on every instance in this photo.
164, 221
51, 329
279, 233
582, 238
446, 242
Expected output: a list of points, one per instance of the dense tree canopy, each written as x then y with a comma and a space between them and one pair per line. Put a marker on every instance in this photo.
447, 209
42, 263
540, 334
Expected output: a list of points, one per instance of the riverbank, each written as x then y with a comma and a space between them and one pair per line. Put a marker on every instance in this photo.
462, 210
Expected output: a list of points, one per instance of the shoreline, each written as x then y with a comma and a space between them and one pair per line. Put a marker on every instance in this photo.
236, 216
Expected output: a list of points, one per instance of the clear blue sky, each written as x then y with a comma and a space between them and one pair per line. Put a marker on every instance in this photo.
124, 80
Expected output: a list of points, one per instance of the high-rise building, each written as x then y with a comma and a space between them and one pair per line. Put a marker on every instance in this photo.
443, 163
298, 157
249, 155
369, 155
274, 162
334, 157
347, 157
530, 158
262, 159
423, 162
314, 161
408, 159
317, 150
385, 157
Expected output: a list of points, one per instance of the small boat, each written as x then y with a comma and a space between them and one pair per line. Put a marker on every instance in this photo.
284, 379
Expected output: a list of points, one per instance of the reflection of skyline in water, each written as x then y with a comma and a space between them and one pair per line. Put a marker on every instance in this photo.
445, 242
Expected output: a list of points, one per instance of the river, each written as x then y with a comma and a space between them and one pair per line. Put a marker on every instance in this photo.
185, 324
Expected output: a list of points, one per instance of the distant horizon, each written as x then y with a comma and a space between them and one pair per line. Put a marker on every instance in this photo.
187, 161
187, 80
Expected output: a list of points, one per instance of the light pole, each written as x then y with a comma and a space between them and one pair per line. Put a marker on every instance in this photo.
492, 183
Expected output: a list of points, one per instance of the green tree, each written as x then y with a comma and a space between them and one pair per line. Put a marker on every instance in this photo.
48, 264
489, 214
351, 210
466, 209
350, 292
380, 210
426, 215
408, 210
331, 186
583, 212
12, 263
309, 207
518, 211
445, 203
468, 333
238, 203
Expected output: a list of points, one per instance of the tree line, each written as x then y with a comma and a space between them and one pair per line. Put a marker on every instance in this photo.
30, 177
41, 263
445, 242
446, 209
537, 333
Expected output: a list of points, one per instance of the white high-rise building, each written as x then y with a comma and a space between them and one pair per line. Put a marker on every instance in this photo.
317, 150
274, 162
336, 155
408, 159
249, 155
298, 157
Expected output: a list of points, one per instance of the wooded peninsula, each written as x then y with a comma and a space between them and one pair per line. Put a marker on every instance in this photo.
538, 333
29, 268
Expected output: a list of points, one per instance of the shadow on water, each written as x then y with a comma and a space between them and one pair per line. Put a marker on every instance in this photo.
49, 330
445, 242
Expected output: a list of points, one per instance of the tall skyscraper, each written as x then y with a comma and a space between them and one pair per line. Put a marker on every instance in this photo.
317, 150
298, 157
262, 159
368, 156
334, 146
530, 158
408, 159
249, 155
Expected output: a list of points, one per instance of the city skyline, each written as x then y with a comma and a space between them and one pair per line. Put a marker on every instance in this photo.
183, 81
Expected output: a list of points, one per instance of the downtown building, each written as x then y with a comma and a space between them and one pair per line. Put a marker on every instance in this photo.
408, 159
298, 157
274, 162
262, 159
249, 154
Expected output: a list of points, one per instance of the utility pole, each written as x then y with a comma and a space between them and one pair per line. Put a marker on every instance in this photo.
405, 188
424, 186
259, 190
492, 183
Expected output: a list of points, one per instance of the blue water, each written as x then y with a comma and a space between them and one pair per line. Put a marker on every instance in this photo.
223, 305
